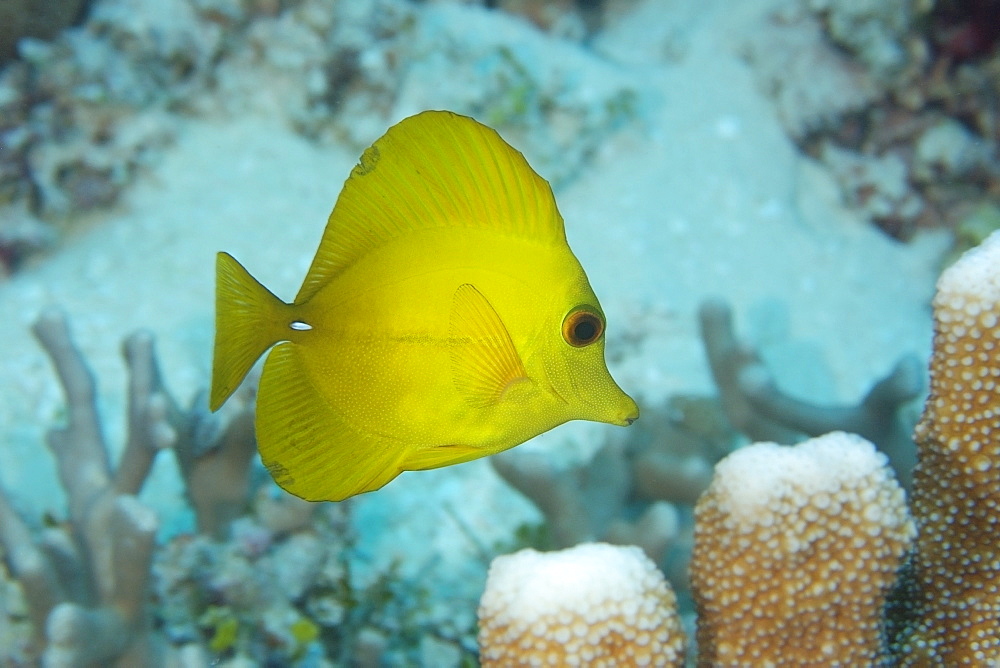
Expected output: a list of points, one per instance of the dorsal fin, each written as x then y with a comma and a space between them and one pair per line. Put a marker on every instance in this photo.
484, 362
436, 169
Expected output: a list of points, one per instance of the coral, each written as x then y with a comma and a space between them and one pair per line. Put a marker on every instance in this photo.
31, 18
813, 84
758, 408
586, 502
86, 584
593, 605
796, 549
953, 603
879, 33
215, 456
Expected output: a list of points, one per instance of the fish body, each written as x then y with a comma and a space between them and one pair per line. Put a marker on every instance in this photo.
444, 318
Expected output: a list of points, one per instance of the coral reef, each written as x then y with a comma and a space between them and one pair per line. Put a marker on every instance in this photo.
266, 578
590, 605
796, 549
83, 115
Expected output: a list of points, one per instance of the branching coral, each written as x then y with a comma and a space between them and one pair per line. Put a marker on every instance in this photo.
585, 503
758, 408
274, 585
953, 602
85, 584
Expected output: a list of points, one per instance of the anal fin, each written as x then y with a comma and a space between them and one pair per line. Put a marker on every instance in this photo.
309, 449
441, 455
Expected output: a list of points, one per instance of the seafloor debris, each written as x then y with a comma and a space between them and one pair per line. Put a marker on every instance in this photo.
33, 19
898, 99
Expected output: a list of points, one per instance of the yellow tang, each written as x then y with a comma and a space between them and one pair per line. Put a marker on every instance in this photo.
444, 318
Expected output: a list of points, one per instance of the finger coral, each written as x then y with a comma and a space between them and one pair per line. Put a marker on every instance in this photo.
85, 584
757, 407
954, 601
591, 605
796, 549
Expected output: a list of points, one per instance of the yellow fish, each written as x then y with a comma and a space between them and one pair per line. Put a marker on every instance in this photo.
444, 318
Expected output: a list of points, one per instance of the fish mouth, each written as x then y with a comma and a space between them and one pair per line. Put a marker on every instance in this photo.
628, 419
625, 415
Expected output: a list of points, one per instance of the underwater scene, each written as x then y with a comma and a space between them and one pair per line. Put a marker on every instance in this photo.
450, 333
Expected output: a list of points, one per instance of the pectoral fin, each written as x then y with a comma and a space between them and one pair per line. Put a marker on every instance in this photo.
484, 362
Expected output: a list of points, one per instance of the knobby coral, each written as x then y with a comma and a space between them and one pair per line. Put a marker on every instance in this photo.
954, 592
591, 605
796, 549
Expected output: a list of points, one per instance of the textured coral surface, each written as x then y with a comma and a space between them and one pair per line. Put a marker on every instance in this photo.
591, 605
795, 551
956, 495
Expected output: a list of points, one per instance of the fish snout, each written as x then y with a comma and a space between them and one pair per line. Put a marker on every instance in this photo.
629, 414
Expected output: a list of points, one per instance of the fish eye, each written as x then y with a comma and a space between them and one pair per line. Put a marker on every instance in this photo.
582, 327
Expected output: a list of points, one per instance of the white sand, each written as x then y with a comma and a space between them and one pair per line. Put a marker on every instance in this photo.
705, 195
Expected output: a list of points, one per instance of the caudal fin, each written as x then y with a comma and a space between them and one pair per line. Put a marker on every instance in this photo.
248, 321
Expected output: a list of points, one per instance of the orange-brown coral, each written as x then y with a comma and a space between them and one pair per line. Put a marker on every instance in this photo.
955, 595
591, 605
796, 549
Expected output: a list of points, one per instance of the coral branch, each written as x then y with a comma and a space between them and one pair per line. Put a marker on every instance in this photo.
79, 446
97, 621
796, 549
594, 605
28, 563
954, 595
756, 406
149, 428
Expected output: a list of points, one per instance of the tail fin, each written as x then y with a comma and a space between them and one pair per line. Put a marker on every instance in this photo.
248, 321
